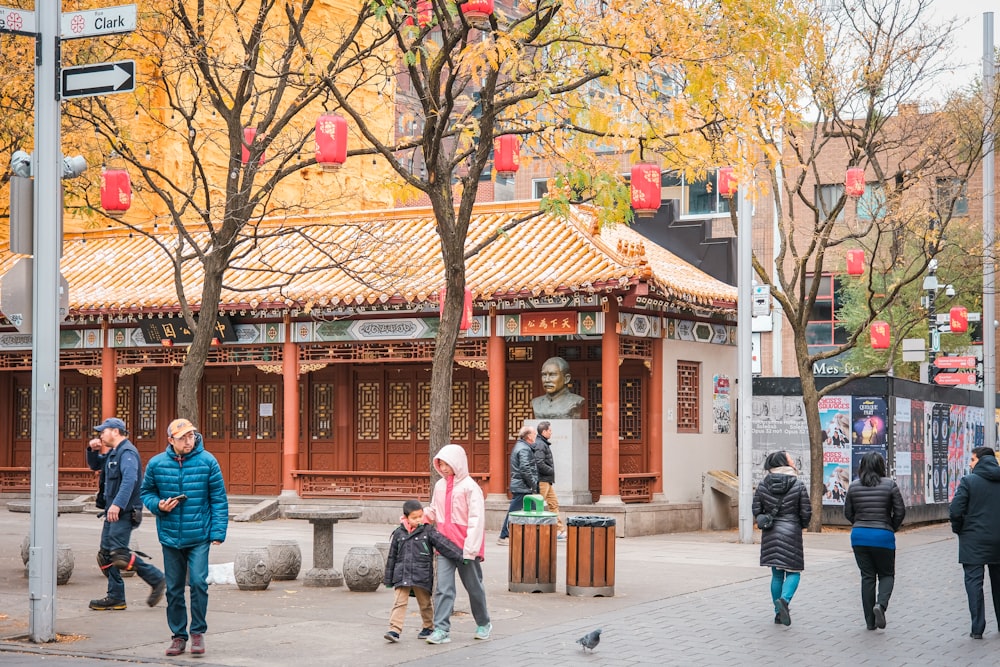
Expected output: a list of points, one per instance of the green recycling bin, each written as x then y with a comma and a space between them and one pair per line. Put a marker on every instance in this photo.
532, 547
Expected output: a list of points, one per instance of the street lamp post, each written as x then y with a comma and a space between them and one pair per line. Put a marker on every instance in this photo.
933, 335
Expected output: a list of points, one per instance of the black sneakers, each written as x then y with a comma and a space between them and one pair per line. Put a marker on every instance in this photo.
392, 636
156, 594
425, 633
107, 604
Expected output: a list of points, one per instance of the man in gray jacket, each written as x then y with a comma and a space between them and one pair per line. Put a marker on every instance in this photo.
975, 517
523, 475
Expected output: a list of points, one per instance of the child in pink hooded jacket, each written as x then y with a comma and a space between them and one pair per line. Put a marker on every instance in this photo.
458, 508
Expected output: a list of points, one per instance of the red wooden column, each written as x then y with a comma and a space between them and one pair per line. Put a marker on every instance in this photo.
655, 423
496, 366
610, 490
290, 406
109, 376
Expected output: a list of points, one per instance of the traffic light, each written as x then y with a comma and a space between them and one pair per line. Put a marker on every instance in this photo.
22, 198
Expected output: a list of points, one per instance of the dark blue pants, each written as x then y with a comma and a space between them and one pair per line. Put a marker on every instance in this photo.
187, 566
117, 535
974, 577
516, 503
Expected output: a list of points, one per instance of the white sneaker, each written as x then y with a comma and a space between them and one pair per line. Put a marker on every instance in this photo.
502, 541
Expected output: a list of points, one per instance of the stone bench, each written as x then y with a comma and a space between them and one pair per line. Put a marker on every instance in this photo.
64, 507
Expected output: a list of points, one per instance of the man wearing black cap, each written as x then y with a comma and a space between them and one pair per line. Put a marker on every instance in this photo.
121, 473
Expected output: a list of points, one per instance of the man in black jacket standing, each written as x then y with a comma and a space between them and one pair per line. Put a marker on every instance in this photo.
523, 474
547, 474
975, 517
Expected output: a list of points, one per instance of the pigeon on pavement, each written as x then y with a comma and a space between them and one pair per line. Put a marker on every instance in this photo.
590, 640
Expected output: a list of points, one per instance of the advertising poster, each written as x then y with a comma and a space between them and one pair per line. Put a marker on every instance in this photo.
902, 467
721, 405
959, 440
918, 454
869, 422
940, 414
835, 417
777, 425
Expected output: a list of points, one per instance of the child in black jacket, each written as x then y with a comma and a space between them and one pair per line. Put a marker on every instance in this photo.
410, 567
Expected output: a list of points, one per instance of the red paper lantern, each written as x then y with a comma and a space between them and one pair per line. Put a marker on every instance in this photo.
959, 319
727, 182
477, 11
331, 141
249, 133
645, 189
879, 331
116, 191
855, 262
506, 155
466, 308
425, 14
854, 183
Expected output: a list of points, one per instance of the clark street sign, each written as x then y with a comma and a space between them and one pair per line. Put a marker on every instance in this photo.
98, 79
17, 21
95, 22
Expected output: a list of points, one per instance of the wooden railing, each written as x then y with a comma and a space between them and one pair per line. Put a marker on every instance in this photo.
354, 484
71, 480
637, 487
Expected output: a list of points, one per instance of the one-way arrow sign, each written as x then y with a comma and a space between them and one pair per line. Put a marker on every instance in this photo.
98, 79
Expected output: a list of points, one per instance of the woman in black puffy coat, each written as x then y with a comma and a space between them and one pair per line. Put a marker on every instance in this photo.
783, 495
874, 506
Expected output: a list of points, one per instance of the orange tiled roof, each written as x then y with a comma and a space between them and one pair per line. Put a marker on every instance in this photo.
382, 256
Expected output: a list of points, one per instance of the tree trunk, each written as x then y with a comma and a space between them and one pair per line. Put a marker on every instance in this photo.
193, 369
810, 397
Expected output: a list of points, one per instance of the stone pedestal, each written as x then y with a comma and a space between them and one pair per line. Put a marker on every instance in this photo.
571, 456
252, 569
286, 559
323, 520
364, 569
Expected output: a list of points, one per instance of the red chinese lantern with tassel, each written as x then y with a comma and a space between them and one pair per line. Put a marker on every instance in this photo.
854, 182
727, 182
249, 134
645, 189
879, 331
116, 191
466, 308
425, 14
331, 141
855, 262
477, 11
506, 155
959, 319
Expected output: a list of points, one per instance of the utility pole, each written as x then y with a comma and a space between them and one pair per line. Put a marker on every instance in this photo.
45, 334
989, 291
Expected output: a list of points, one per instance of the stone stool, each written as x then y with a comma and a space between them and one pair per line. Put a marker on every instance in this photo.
286, 559
364, 569
65, 561
252, 569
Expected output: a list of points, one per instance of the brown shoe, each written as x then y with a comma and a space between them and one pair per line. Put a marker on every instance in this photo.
176, 646
197, 644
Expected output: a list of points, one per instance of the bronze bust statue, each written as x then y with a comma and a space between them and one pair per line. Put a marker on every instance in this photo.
558, 402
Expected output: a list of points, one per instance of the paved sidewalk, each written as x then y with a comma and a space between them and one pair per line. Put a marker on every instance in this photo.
695, 598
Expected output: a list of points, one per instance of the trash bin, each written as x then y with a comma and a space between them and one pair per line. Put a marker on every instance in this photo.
532, 547
590, 556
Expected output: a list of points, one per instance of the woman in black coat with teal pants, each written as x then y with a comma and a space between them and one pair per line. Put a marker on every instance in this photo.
782, 494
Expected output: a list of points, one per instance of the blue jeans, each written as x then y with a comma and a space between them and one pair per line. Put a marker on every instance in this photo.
783, 585
186, 566
444, 592
516, 504
116, 535
974, 577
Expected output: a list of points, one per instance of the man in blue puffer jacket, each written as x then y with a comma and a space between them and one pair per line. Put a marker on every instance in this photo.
183, 488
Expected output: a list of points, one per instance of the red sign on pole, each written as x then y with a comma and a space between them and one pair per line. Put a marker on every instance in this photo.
955, 378
955, 362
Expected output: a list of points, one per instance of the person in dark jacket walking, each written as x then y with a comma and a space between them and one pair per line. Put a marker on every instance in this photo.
121, 476
409, 567
184, 489
547, 474
523, 475
875, 508
975, 518
784, 496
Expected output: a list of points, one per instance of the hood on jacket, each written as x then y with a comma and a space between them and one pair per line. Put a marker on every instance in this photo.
454, 456
779, 482
199, 446
988, 468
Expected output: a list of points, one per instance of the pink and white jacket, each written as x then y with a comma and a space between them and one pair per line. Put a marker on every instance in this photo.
457, 504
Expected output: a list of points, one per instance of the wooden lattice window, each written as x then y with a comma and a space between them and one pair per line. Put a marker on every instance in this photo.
73, 413
146, 412
400, 410
94, 407
424, 411
215, 408
267, 425
688, 408
459, 410
482, 410
23, 409
321, 427
519, 395
366, 410
242, 424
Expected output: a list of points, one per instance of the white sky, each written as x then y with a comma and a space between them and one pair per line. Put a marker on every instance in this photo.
969, 38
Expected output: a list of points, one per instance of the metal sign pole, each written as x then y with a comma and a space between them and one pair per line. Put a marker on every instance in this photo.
45, 336
744, 345
989, 292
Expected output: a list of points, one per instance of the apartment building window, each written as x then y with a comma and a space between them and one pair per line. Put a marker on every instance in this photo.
539, 187
871, 205
827, 197
688, 393
949, 189
824, 330
697, 198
